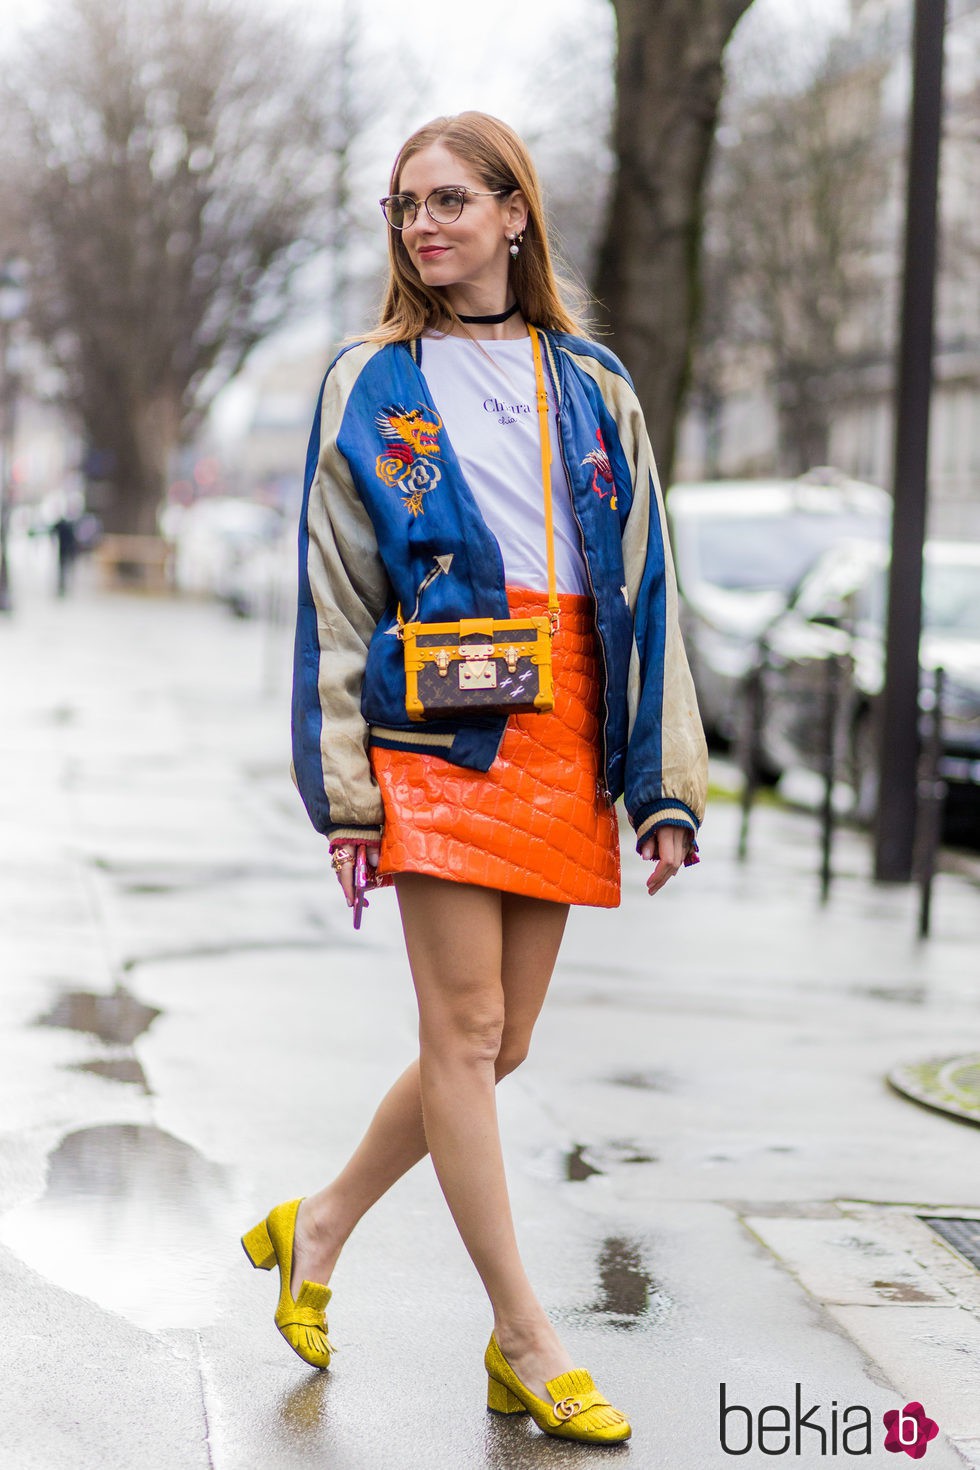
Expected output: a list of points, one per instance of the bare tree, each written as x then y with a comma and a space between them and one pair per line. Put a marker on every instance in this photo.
959, 310
793, 276
172, 164
568, 129
669, 83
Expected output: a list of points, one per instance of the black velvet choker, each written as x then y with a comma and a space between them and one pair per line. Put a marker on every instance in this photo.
489, 321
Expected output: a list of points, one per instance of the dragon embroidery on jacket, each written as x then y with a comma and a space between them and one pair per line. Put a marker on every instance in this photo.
412, 436
601, 470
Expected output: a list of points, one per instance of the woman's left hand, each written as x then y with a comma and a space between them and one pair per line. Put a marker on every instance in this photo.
669, 846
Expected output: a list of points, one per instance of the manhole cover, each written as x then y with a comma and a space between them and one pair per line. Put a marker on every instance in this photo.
951, 1084
962, 1235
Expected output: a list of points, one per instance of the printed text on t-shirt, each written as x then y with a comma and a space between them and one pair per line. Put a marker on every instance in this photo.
506, 411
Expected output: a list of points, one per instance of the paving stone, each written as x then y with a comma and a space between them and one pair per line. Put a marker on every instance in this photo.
931, 1355
845, 1261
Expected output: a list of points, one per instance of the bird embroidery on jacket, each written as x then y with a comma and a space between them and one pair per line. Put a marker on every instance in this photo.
601, 470
413, 437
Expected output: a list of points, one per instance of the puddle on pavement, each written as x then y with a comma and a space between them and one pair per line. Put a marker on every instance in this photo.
903, 1291
624, 1151
575, 1166
133, 1218
116, 1069
156, 878
898, 995
862, 1245
646, 1081
118, 1017
302, 1413
230, 947
627, 1291
608, 1155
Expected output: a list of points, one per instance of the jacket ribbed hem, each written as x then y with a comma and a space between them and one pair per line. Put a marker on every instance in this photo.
370, 835
666, 812
417, 740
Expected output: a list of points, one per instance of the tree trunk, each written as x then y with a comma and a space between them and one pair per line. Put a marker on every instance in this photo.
668, 89
133, 453
804, 419
171, 167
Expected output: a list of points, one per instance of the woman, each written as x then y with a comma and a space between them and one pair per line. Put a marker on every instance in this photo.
424, 481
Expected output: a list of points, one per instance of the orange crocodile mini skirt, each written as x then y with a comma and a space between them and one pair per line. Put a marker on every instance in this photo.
537, 822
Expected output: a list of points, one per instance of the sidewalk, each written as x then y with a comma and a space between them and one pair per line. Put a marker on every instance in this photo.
712, 1181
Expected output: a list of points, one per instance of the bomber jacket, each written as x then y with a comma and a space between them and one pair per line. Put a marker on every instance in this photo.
384, 497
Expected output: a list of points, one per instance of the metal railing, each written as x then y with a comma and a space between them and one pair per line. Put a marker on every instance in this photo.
931, 799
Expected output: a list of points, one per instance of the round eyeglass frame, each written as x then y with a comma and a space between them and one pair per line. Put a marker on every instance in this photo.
461, 190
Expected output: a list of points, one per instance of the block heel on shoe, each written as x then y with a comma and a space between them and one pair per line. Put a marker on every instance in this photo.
257, 1244
577, 1410
501, 1400
303, 1322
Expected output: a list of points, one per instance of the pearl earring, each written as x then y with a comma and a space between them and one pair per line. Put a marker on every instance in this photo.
515, 243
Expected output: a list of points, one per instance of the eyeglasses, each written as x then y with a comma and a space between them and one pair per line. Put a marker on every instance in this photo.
442, 205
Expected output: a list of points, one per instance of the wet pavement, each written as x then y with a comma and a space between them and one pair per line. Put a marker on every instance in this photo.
712, 1179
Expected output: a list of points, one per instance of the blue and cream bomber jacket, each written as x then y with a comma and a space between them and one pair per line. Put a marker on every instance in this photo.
386, 508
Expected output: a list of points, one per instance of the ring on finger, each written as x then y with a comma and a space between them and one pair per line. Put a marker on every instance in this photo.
342, 858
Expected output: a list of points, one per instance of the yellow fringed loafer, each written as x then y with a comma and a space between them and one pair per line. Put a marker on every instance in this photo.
303, 1322
577, 1411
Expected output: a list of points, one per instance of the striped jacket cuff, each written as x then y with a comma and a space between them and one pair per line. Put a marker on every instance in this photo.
370, 835
667, 812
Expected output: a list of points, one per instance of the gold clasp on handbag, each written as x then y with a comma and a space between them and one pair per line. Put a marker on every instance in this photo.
477, 674
442, 661
511, 656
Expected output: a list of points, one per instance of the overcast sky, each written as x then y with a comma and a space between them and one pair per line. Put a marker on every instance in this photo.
479, 55
490, 56
485, 55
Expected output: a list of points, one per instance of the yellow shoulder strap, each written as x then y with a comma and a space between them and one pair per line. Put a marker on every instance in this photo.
549, 528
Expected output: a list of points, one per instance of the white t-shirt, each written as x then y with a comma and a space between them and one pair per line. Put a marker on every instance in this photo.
489, 411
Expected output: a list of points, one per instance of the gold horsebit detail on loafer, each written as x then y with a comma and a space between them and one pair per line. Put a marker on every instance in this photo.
568, 1408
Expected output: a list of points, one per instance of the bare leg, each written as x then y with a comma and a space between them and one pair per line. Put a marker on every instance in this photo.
530, 934
459, 939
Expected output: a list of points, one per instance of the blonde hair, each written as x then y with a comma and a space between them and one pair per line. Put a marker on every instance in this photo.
501, 161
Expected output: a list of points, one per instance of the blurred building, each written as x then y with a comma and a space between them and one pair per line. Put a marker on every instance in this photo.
863, 425
264, 427
46, 459
873, 79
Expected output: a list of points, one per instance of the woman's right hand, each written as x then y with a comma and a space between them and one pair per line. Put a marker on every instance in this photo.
343, 858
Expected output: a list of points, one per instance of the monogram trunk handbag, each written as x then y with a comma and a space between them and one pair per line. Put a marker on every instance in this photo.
488, 666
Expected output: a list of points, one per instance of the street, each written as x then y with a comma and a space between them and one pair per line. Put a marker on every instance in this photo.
712, 1181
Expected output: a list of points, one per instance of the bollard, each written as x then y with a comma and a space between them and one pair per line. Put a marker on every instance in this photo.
931, 800
831, 707
749, 738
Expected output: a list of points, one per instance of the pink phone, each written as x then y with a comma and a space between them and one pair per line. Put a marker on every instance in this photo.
361, 883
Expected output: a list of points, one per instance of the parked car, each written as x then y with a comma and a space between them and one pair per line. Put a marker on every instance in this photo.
230, 549
741, 547
838, 612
